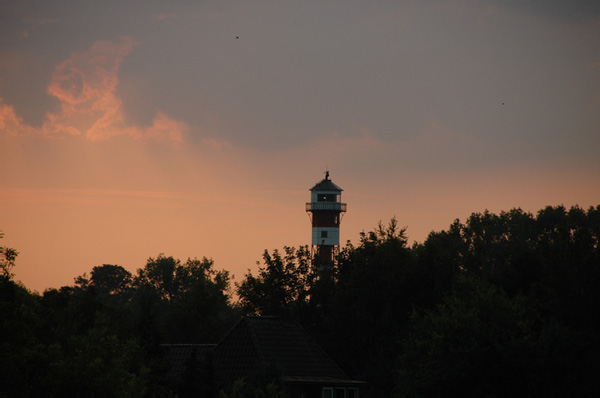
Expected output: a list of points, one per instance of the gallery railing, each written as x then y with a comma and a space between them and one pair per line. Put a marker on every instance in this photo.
334, 206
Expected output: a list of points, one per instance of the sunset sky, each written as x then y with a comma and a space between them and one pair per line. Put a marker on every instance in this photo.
197, 128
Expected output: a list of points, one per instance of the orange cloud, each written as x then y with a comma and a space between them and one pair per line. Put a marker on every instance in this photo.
10, 122
85, 85
163, 127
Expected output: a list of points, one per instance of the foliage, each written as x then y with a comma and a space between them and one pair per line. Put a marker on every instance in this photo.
283, 283
477, 342
521, 316
187, 303
8, 257
370, 303
502, 304
100, 337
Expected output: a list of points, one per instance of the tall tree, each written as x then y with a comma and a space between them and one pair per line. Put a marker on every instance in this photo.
187, 303
283, 283
111, 279
371, 301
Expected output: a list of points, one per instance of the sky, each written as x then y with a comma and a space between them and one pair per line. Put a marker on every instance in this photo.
197, 128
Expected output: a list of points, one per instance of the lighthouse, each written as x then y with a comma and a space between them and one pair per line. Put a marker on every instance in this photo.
325, 210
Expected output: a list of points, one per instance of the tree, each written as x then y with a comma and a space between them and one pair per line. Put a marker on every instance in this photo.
372, 298
111, 279
439, 261
7, 259
163, 275
525, 298
22, 356
283, 283
187, 303
96, 363
478, 342
502, 249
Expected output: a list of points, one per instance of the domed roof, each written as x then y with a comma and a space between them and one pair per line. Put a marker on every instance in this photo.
326, 185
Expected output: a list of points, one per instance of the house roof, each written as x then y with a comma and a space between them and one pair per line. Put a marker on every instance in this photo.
259, 342
326, 185
183, 357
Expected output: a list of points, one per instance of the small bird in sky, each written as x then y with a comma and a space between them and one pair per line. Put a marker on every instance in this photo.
237, 37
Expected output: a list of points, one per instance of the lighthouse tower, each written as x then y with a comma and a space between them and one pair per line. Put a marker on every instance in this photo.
325, 208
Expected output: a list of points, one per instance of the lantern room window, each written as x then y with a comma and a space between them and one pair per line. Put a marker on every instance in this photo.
323, 197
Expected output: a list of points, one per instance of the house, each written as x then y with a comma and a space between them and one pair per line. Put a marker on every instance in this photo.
189, 369
269, 347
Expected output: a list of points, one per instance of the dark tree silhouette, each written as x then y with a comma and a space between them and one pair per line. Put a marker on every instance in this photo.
8, 257
283, 283
187, 303
502, 304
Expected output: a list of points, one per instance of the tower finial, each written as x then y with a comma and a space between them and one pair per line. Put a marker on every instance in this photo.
327, 174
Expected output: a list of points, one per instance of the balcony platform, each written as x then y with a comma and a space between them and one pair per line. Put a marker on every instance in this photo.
328, 206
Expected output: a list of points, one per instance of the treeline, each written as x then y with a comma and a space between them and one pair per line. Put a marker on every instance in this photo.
101, 337
503, 304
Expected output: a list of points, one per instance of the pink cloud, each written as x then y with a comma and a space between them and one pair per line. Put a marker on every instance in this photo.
85, 85
163, 127
10, 122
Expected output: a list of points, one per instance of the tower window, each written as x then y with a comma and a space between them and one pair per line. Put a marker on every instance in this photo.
326, 197
323, 234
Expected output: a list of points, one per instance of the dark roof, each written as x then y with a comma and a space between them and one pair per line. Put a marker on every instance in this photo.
183, 357
326, 185
259, 342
